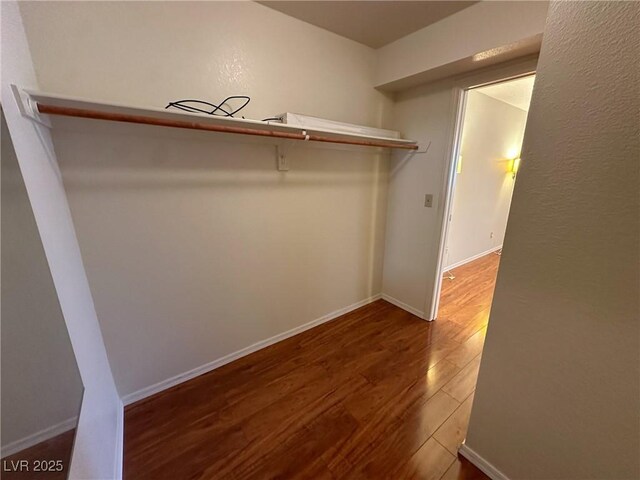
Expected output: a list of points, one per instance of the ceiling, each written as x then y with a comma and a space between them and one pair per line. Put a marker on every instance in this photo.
374, 23
514, 92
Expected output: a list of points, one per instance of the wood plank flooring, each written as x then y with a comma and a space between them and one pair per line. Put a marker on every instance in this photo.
56, 449
376, 393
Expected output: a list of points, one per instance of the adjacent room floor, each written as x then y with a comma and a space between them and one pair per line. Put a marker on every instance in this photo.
376, 393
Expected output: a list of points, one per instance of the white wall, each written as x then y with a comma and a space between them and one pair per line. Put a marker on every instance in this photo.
559, 384
412, 240
98, 444
37, 358
484, 34
171, 50
492, 132
195, 246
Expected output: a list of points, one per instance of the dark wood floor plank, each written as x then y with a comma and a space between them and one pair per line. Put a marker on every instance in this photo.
430, 462
473, 284
376, 393
304, 405
405, 436
58, 448
395, 393
200, 446
273, 425
469, 349
304, 449
303, 446
379, 412
453, 431
464, 383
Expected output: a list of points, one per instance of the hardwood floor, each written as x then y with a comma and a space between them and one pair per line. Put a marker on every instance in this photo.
47, 460
376, 393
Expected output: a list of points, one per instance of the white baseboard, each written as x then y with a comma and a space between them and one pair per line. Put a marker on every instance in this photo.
183, 377
119, 453
487, 468
403, 306
41, 436
470, 259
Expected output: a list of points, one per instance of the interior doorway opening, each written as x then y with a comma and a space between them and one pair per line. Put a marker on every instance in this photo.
484, 168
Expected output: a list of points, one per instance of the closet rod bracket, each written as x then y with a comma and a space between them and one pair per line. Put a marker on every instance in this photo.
27, 106
422, 148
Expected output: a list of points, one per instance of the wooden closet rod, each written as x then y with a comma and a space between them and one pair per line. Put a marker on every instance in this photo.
123, 117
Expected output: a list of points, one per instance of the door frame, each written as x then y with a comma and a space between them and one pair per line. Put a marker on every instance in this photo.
460, 92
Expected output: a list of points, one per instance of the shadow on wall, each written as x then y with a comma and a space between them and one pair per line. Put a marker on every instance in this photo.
146, 156
41, 385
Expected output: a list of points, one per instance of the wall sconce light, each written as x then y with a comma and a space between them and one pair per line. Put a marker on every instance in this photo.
514, 166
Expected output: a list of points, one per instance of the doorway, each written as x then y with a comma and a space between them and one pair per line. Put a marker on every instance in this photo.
484, 166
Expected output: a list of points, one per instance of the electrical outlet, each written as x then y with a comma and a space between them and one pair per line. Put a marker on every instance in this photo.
491, 235
428, 200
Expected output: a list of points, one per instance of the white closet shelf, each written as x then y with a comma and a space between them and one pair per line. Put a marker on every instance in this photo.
37, 105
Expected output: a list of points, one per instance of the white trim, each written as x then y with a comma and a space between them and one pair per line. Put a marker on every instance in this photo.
41, 436
29, 98
119, 453
487, 468
470, 259
449, 184
403, 306
492, 74
183, 377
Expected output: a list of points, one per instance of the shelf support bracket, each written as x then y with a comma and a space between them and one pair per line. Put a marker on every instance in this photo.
28, 107
282, 149
281, 157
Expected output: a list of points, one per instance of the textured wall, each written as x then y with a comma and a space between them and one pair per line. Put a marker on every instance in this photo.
145, 53
37, 359
559, 386
440, 49
98, 443
195, 245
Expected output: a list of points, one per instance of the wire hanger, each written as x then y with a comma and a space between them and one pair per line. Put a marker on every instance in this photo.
187, 105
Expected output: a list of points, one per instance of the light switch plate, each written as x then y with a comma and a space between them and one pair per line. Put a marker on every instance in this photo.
428, 200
